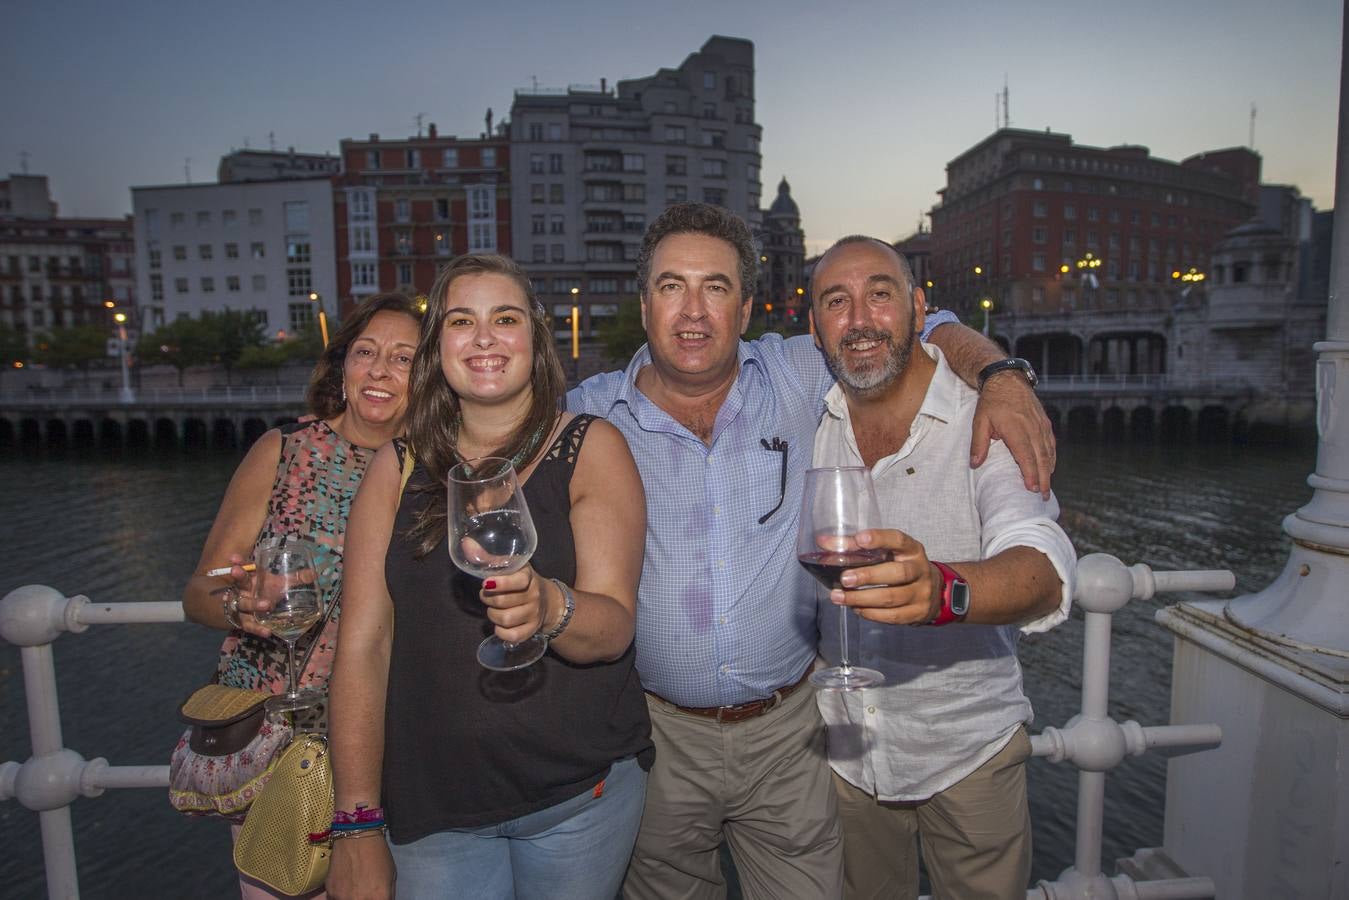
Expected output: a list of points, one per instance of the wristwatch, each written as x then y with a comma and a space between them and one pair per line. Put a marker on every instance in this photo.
1003, 365
955, 596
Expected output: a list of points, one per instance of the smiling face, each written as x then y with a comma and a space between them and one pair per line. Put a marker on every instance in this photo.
375, 373
486, 343
866, 315
693, 309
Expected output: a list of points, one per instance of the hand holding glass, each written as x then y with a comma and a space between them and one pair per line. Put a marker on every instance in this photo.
838, 503
287, 580
491, 533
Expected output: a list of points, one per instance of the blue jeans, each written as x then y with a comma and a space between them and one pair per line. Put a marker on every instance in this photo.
574, 850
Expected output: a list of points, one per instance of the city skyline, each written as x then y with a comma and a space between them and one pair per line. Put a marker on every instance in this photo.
861, 112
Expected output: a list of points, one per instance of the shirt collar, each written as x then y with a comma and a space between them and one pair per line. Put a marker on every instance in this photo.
746, 352
941, 402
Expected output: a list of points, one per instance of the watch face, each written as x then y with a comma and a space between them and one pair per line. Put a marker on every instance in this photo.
960, 597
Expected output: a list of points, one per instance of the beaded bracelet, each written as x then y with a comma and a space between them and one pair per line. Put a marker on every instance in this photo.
363, 813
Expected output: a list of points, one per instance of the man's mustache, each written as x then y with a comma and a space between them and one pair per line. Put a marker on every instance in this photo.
865, 334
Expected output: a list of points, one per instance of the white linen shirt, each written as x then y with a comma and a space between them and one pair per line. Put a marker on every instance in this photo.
952, 695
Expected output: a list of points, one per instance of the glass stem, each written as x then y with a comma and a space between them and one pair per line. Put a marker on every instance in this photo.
290, 670
843, 638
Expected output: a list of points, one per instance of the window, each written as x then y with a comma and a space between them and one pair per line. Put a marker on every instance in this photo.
634, 223
361, 241
449, 159
1037, 262
536, 224
255, 217
363, 274
603, 286
204, 251
442, 207
402, 210
676, 193
299, 282
1040, 209
156, 287
675, 134
715, 196
1113, 216
405, 273
259, 283
634, 193
301, 316
442, 242
481, 199
557, 224
179, 253
714, 168
177, 219
232, 283
714, 138
1039, 235
372, 159
540, 253
536, 133
207, 285
489, 157
231, 251
403, 243
1069, 237
257, 250
557, 253
554, 131
297, 250
151, 219
709, 81
179, 286
1093, 214
414, 158
555, 193
676, 165
229, 218
203, 218
360, 206
555, 163
537, 193
604, 252
482, 237
536, 163
709, 110
634, 162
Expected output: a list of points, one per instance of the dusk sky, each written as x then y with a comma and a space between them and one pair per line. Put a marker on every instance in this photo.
862, 104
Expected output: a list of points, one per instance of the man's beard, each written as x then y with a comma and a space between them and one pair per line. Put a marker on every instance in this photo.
870, 376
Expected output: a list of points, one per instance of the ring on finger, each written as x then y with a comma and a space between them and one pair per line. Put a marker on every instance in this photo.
231, 607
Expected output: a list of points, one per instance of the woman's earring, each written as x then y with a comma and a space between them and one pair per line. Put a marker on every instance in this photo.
344, 393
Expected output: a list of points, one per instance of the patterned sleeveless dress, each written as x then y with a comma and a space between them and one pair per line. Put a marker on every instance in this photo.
316, 478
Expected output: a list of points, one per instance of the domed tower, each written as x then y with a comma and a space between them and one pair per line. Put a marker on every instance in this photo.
782, 251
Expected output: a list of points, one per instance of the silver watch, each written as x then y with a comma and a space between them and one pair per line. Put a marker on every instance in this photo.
569, 607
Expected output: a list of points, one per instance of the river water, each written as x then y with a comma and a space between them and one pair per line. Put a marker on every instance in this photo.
131, 528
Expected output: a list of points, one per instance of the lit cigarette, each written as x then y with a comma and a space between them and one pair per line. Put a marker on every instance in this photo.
225, 570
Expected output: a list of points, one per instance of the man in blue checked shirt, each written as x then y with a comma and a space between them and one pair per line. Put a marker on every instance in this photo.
722, 431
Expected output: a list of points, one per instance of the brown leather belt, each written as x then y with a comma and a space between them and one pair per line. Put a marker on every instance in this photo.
726, 715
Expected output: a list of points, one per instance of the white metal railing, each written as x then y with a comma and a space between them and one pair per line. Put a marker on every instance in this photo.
48, 398
1103, 382
33, 616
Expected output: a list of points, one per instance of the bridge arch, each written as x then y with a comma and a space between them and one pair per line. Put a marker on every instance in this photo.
138, 433
58, 435
254, 428
1213, 425
1082, 423
166, 433
1112, 425
1143, 424
1175, 423
195, 435
1052, 353
224, 436
110, 434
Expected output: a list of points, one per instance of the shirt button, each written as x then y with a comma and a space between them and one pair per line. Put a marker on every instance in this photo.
721, 621
725, 669
871, 709
721, 564
716, 510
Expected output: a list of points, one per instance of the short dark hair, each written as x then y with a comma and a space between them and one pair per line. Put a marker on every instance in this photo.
702, 218
865, 239
324, 397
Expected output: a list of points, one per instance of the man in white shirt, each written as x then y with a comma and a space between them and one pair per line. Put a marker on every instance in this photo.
938, 752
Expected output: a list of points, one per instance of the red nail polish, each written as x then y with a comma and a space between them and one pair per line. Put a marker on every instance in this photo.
490, 584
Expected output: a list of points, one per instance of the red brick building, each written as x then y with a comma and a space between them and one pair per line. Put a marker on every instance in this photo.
1022, 209
405, 207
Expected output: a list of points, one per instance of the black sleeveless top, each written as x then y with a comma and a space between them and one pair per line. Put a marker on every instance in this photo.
465, 746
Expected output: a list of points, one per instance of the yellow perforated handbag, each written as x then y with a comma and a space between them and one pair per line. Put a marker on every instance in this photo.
273, 845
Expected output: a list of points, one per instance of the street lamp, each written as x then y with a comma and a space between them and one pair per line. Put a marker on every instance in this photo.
126, 395
575, 334
316, 297
987, 304
1086, 270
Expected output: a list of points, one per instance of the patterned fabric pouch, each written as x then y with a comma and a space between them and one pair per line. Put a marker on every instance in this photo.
225, 756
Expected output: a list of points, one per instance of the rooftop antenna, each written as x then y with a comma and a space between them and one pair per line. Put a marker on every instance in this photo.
1252, 143
271, 141
246, 147
187, 168
418, 117
1006, 96
535, 80
488, 119
23, 163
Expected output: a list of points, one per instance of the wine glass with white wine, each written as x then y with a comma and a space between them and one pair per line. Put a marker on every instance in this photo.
286, 578
491, 533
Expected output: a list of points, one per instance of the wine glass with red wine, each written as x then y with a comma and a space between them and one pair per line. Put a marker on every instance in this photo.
491, 533
838, 503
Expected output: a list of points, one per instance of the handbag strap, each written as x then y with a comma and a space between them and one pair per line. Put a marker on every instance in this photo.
309, 651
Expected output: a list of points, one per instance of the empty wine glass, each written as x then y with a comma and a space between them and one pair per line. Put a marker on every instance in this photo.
287, 579
491, 533
838, 503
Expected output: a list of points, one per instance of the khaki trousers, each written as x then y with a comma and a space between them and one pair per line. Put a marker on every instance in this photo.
763, 784
975, 836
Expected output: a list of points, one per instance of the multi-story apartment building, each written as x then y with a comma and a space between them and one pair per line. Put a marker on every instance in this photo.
404, 207
59, 273
275, 165
593, 166
1044, 229
782, 251
259, 246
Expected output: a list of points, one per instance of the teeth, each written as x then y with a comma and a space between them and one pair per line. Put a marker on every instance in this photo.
691, 335
380, 395
860, 346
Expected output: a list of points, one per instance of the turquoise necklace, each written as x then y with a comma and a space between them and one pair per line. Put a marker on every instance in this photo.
525, 452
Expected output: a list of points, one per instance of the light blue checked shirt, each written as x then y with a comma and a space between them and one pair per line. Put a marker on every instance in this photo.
725, 614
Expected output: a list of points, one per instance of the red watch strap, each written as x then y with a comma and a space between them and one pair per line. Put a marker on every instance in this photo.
949, 576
